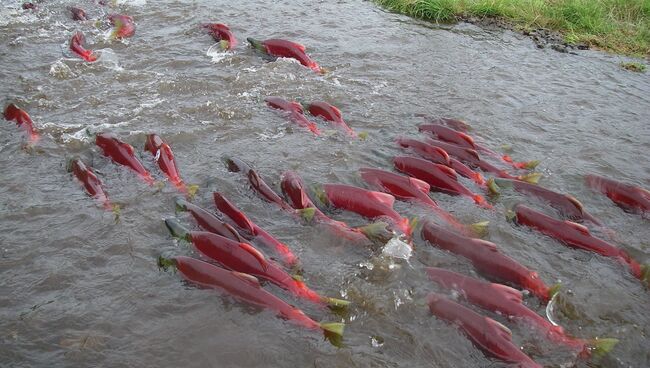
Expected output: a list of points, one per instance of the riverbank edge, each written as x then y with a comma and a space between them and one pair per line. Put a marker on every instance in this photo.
541, 36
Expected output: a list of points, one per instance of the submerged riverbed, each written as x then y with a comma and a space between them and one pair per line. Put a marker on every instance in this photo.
79, 289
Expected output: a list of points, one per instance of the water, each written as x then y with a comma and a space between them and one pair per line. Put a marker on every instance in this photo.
79, 289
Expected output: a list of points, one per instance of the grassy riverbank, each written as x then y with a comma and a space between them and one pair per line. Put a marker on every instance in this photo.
619, 26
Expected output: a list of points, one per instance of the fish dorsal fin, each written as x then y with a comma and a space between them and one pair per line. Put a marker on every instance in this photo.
129, 148
421, 185
296, 107
255, 253
441, 152
467, 138
224, 26
384, 198
575, 202
336, 111
581, 228
499, 326
299, 46
252, 280
508, 292
447, 171
484, 243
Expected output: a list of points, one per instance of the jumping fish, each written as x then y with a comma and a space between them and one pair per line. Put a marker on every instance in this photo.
165, 158
78, 13
123, 154
222, 34
287, 49
124, 26
22, 119
76, 46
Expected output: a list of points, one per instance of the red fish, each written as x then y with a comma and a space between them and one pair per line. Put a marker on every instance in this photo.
124, 25
164, 156
76, 46
78, 13
243, 287
438, 155
440, 177
331, 114
22, 119
90, 181
369, 204
407, 189
490, 336
243, 257
487, 259
27, 6
286, 49
123, 154
208, 221
461, 139
507, 301
294, 109
577, 236
294, 189
253, 232
567, 205
222, 34
456, 124
627, 196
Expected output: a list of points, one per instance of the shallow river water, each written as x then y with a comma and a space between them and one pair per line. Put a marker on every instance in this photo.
78, 289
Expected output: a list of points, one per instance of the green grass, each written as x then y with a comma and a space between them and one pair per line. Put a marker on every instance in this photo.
619, 26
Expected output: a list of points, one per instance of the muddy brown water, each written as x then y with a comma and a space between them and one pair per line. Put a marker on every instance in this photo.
79, 289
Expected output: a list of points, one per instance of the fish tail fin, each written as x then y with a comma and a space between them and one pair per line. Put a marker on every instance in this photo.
165, 263
256, 44
377, 231
116, 210
334, 303
601, 346
177, 230
554, 290
224, 44
181, 204
333, 332
307, 213
645, 275
479, 228
363, 135
532, 178
493, 187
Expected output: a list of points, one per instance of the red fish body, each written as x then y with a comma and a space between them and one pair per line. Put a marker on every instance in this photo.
567, 205
440, 177
90, 181
574, 235
487, 334
331, 114
627, 196
22, 119
244, 287
164, 156
503, 300
369, 204
29, 6
251, 231
487, 259
76, 46
221, 33
208, 221
294, 109
449, 135
406, 188
434, 154
78, 13
124, 25
123, 154
455, 124
294, 189
465, 171
266, 192
286, 49
243, 257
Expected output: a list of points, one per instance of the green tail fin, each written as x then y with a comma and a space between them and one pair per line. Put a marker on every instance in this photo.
333, 327
511, 215
177, 230
307, 213
224, 45
506, 148
645, 275
377, 231
363, 136
166, 263
256, 44
493, 188
192, 189
336, 303
531, 164
532, 178
554, 290
479, 229
602, 346
181, 204
117, 212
